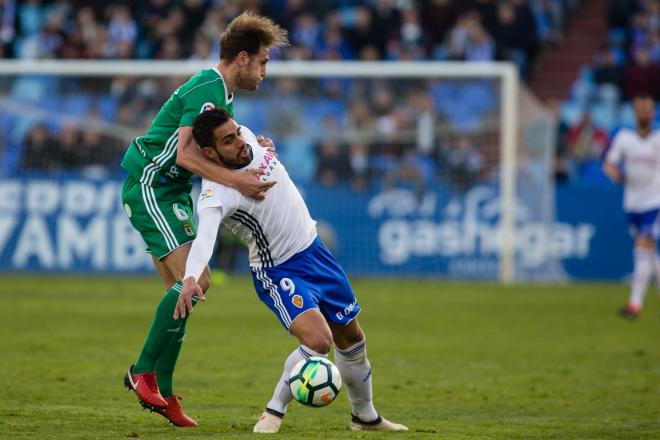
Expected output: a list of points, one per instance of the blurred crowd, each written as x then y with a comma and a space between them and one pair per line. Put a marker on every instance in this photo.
479, 30
393, 132
599, 103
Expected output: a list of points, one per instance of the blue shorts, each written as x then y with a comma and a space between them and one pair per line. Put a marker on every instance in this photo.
311, 279
644, 223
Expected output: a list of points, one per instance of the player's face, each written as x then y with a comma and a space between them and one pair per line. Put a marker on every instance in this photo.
252, 69
230, 145
644, 110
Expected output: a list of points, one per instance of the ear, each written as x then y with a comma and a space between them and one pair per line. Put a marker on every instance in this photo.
243, 58
208, 152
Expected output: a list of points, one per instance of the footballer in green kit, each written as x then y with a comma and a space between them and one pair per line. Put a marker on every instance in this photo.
156, 193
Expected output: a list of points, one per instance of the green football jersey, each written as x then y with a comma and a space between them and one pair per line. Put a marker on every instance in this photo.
151, 158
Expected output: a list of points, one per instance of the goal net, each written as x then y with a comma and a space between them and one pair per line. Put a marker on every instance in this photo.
412, 169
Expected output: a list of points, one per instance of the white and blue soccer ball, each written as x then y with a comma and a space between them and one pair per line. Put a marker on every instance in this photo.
315, 381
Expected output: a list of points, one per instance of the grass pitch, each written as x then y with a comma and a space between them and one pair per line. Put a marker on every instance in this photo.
451, 361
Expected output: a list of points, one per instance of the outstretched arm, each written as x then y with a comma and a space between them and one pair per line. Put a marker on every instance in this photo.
190, 157
198, 258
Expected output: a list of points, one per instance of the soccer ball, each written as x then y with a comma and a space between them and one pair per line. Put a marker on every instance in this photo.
315, 381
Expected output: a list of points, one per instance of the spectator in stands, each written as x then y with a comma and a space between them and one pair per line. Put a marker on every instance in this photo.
7, 27
460, 35
388, 24
464, 162
607, 70
122, 28
654, 47
40, 150
203, 48
358, 153
73, 46
480, 46
363, 33
333, 163
46, 43
69, 153
87, 25
619, 12
509, 34
437, 17
585, 141
641, 77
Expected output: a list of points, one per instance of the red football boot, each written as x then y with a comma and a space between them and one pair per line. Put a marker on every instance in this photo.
146, 388
174, 413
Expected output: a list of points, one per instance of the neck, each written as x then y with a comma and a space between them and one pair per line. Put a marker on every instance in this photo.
229, 76
644, 129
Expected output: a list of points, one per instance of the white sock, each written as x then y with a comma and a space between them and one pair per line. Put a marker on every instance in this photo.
282, 394
657, 272
644, 268
356, 372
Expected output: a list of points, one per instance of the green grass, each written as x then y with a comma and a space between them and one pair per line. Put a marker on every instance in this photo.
451, 361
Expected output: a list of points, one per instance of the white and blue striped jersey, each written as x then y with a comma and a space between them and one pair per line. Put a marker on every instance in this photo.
640, 159
275, 229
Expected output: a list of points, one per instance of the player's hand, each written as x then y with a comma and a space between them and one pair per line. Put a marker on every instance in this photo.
249, 185
267, 143
190, 290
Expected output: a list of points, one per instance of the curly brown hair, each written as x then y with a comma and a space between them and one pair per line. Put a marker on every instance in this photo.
249, 32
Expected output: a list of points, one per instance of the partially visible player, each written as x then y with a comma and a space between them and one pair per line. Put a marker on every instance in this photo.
634, 161
294, 274
156, 193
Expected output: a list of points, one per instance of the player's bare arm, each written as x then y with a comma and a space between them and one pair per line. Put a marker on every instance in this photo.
612, 171
190, 157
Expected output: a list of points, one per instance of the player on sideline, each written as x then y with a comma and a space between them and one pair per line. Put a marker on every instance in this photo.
294, 274
156, 193
634, 160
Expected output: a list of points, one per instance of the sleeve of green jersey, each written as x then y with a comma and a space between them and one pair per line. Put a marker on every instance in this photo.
199, 99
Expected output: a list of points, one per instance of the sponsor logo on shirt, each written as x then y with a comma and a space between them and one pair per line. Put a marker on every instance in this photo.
267, 166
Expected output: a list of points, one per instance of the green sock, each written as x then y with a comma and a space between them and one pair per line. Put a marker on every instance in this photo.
167, 361
163, 330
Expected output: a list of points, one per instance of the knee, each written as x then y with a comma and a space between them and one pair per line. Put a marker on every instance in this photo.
320, 343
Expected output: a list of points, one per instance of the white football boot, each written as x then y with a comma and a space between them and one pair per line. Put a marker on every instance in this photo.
380, 424
268, 423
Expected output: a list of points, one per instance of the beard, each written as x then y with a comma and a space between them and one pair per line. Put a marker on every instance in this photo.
246, 83
240, 160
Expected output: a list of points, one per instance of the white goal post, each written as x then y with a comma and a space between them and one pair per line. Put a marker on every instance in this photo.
505, 73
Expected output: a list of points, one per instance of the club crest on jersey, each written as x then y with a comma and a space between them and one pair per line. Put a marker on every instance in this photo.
207, 106
188, 228
206, 194
297, 301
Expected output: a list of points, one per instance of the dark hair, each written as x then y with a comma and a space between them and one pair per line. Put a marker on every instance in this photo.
248, 32
205, 124
642, 96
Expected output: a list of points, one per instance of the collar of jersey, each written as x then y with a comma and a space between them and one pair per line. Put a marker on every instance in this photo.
228, 99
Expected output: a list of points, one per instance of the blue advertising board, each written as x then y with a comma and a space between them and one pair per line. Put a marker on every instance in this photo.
78, 225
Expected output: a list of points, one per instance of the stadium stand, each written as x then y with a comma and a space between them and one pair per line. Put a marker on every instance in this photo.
598, 103
476, 30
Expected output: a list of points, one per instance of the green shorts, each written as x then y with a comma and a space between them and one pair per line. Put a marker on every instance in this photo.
161, 214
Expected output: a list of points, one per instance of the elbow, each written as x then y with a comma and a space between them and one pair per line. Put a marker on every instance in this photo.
181, 159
